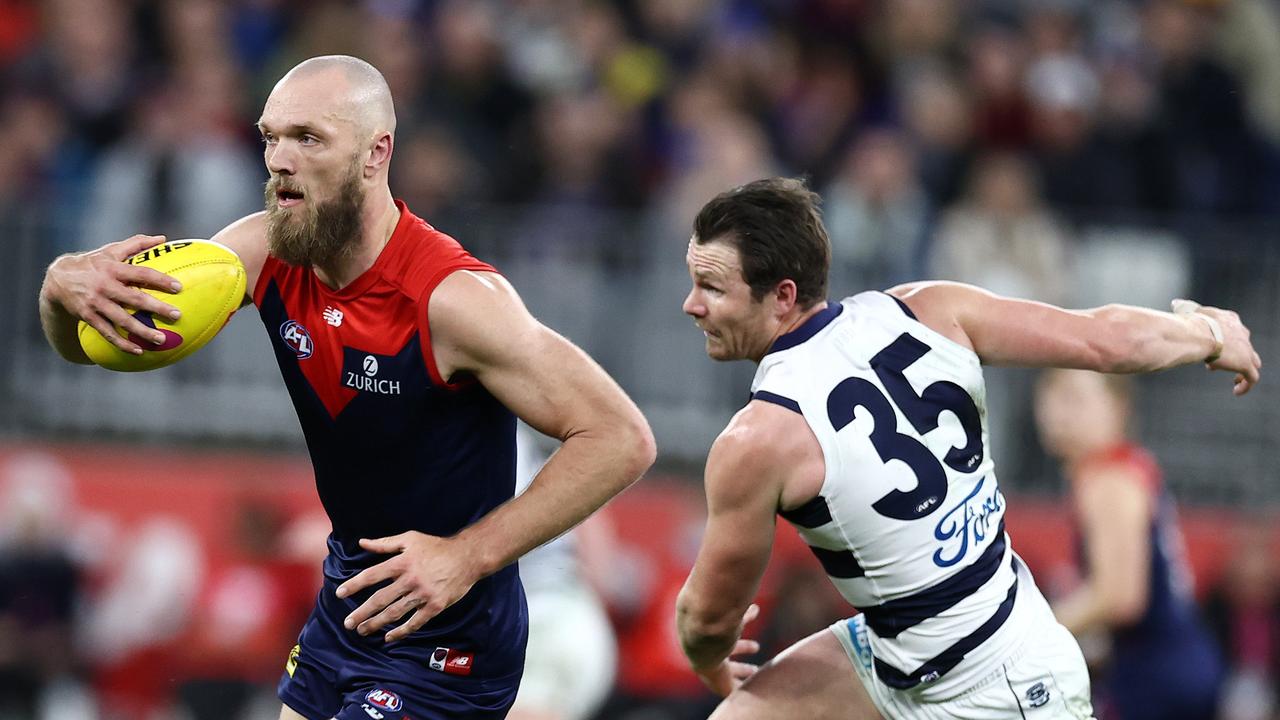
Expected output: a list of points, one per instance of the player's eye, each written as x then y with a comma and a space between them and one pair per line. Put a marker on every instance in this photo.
308, 139
268, 139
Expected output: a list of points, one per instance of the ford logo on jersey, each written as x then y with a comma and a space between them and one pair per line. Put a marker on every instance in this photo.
968, 519
383, 699
297, 338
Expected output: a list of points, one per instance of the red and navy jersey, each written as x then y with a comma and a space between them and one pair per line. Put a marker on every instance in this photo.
395, 446
1164, 663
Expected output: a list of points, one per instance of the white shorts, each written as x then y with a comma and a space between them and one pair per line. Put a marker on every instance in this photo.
572, 656
1043, 677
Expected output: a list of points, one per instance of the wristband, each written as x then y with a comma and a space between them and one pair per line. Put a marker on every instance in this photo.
1190, 307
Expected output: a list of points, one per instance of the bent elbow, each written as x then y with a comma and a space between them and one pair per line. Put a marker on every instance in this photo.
642, 448
699, 623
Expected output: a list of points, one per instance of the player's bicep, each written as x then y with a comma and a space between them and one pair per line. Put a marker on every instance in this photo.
1012, 331
479, 326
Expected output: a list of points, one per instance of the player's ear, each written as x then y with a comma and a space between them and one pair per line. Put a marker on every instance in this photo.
785, 294
379, 154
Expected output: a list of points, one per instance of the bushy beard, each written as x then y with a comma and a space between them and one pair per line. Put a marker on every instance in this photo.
329, 232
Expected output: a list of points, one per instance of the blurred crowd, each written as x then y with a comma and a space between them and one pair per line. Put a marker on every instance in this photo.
975, 141
949, 138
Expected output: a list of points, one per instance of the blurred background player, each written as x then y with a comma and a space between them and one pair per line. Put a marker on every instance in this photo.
1137, 586
572, 656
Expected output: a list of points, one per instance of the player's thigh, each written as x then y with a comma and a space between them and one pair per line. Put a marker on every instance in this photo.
811, 679
288, 713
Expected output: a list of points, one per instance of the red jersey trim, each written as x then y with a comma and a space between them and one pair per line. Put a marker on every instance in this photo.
424, 321
366, 279
264, 278
1129, 457
273, 269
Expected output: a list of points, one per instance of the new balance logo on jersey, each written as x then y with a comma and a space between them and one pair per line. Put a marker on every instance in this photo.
333, 316
450, 661
367, 379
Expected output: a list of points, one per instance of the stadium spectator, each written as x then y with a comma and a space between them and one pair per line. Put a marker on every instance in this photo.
877, 213
1244, 611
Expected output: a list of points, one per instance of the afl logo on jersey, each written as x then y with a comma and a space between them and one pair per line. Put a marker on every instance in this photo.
383, 699
297, 338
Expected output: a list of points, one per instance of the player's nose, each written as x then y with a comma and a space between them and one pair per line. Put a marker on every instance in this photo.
280, 160
693, 305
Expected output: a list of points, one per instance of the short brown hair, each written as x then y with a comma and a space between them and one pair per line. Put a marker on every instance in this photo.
776, 226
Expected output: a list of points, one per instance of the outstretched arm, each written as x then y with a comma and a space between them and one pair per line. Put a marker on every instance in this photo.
1112, 338
480, 327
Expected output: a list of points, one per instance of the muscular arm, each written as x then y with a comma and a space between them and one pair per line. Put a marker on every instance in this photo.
1112, 338
479, 326
99, 288
746, 474
1115, 516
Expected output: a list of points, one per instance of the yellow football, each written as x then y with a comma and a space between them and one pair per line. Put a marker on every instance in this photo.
213, 283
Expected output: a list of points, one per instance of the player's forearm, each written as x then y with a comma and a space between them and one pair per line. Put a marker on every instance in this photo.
60, 327
1133, 339
588, 470
1081, 611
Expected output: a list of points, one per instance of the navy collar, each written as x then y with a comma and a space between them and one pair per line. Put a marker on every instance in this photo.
808, 329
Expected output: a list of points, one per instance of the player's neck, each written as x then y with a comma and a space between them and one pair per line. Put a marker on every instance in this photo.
789, 323
379, 219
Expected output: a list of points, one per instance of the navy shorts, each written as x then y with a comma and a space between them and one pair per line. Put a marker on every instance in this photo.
334, 673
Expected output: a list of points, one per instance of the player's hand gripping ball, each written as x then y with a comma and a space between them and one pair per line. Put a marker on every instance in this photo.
213, 284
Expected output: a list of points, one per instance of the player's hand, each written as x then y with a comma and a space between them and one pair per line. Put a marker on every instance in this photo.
427, 574
725, 676
1238, 355
99, 288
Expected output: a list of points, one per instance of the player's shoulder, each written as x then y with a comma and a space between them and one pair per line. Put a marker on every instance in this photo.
424, 256
247, 238
762, 435
469, 291
940, 306
1125, 465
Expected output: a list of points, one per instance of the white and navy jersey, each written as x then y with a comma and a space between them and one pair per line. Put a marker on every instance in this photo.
909, 524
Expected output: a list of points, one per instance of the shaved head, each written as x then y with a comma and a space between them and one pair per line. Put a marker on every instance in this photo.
359, 91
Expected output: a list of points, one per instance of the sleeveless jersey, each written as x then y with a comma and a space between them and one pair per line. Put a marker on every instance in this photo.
1165, 664
395, 447
909, 524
